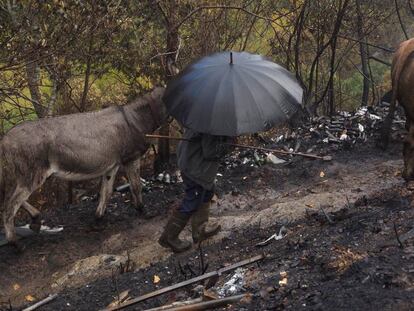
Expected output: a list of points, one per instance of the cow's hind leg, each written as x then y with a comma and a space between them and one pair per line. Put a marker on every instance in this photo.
35, 215
13, 202
106, 191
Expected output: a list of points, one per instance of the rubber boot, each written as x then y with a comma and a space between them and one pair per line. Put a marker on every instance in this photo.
169, 238
201, 228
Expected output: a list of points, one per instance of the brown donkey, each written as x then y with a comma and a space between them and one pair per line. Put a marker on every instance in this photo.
76, 147
402, 76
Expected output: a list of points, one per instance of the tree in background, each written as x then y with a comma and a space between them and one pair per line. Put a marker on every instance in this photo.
60, 57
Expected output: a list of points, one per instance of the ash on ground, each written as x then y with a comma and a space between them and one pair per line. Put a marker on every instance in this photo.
322, 136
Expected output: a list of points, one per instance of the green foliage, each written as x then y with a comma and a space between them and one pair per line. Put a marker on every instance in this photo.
353, 86
89, 54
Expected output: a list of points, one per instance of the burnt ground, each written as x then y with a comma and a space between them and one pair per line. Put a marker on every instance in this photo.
351, 261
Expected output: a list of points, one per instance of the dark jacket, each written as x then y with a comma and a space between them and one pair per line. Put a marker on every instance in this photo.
199, 157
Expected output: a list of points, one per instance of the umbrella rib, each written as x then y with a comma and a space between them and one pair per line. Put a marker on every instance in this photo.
284, 71
216, 96
203, 89
282, 103
247, 86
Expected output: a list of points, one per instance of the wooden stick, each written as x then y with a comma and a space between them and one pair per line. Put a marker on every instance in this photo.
166, 137
122, 297
210, 304
306, 155
177, 304
41, 303
186, 283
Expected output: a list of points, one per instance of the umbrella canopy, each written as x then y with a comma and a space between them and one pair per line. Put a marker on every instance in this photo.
232, 93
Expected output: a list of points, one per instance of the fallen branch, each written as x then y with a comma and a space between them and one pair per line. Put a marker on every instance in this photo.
306, 155
122, 297
210, 304
186, 283
41, 303
177, 304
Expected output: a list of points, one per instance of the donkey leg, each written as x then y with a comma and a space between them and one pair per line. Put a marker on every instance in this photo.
133, 173
12, 205
35, 215
39, 179
106, 191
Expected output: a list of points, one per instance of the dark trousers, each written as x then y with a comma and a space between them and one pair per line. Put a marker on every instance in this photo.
195, 195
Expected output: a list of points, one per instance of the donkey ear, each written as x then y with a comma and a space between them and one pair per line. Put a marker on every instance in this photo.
172, 67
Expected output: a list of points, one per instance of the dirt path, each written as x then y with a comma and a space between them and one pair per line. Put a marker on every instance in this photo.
262, 197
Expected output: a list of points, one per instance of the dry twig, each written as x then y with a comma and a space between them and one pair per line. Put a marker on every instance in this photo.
186, 283
207, 304
41, 303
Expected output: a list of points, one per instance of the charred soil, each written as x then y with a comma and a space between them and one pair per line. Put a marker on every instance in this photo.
348, 244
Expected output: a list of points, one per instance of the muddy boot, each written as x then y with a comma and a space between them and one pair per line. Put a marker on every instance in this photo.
201, 228
169, 237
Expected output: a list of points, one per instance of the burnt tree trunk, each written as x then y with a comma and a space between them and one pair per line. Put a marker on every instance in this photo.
172, 45
332, 43
331, 84
363, 49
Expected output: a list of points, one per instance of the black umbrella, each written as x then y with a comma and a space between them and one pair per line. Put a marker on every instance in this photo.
232, 94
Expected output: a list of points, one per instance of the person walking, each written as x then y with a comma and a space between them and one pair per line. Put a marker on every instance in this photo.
199, 157
226, 94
